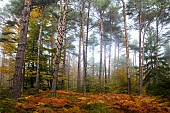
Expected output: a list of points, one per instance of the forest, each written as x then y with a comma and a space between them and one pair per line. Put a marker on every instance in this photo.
85, 56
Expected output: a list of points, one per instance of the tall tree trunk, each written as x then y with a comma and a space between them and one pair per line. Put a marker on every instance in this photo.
101, 35
61, 34
84, 56
19, 63
140, 56
79, 67
2, 70
157, 38
39, 49
85, 62
114, 67
118, 53
135, 57
110, 49
105, 71
127, 50
93, 63
68, 71
64, 62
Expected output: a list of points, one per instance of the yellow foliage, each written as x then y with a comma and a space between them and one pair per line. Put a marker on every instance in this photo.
43, 73
82, 98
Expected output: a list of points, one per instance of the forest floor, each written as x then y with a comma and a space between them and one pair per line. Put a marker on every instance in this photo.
73, 102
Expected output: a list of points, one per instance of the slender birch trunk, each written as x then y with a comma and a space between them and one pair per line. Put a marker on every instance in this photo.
61, 34
39, 49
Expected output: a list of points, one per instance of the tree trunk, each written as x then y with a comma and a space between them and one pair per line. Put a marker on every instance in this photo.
110, 49
84, 56
2, 70
68, 71
19, 63
101, 35
39, 49
79, 67
93, 63
140, 56
118, 48
61, 34
114, 67
64, 59
127, 50
157, 38
105, 71
64, 62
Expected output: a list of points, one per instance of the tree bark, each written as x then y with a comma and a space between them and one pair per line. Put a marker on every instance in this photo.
115, 62
93, 63
19, 63
79, 67
157, 40
68, 71
39, 50
110, 49
84, 56
105, 71
61, 34
127, 50
101, 35
140, 56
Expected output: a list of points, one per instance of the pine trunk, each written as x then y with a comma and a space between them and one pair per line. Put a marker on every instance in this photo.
79, 67
110, 49
84, 56
157, 38
127, 50
140, 57
68, 71
93, 64
105, 71
19, 63
114, 67
101, 35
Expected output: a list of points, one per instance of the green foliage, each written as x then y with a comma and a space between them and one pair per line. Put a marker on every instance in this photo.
162, 88
101, 5
120, 81
5, 92
105, 88
6, 105
156, 71
95, 107
157, 79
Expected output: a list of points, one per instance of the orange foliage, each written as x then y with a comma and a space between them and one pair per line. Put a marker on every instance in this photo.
122, 103
40, 102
